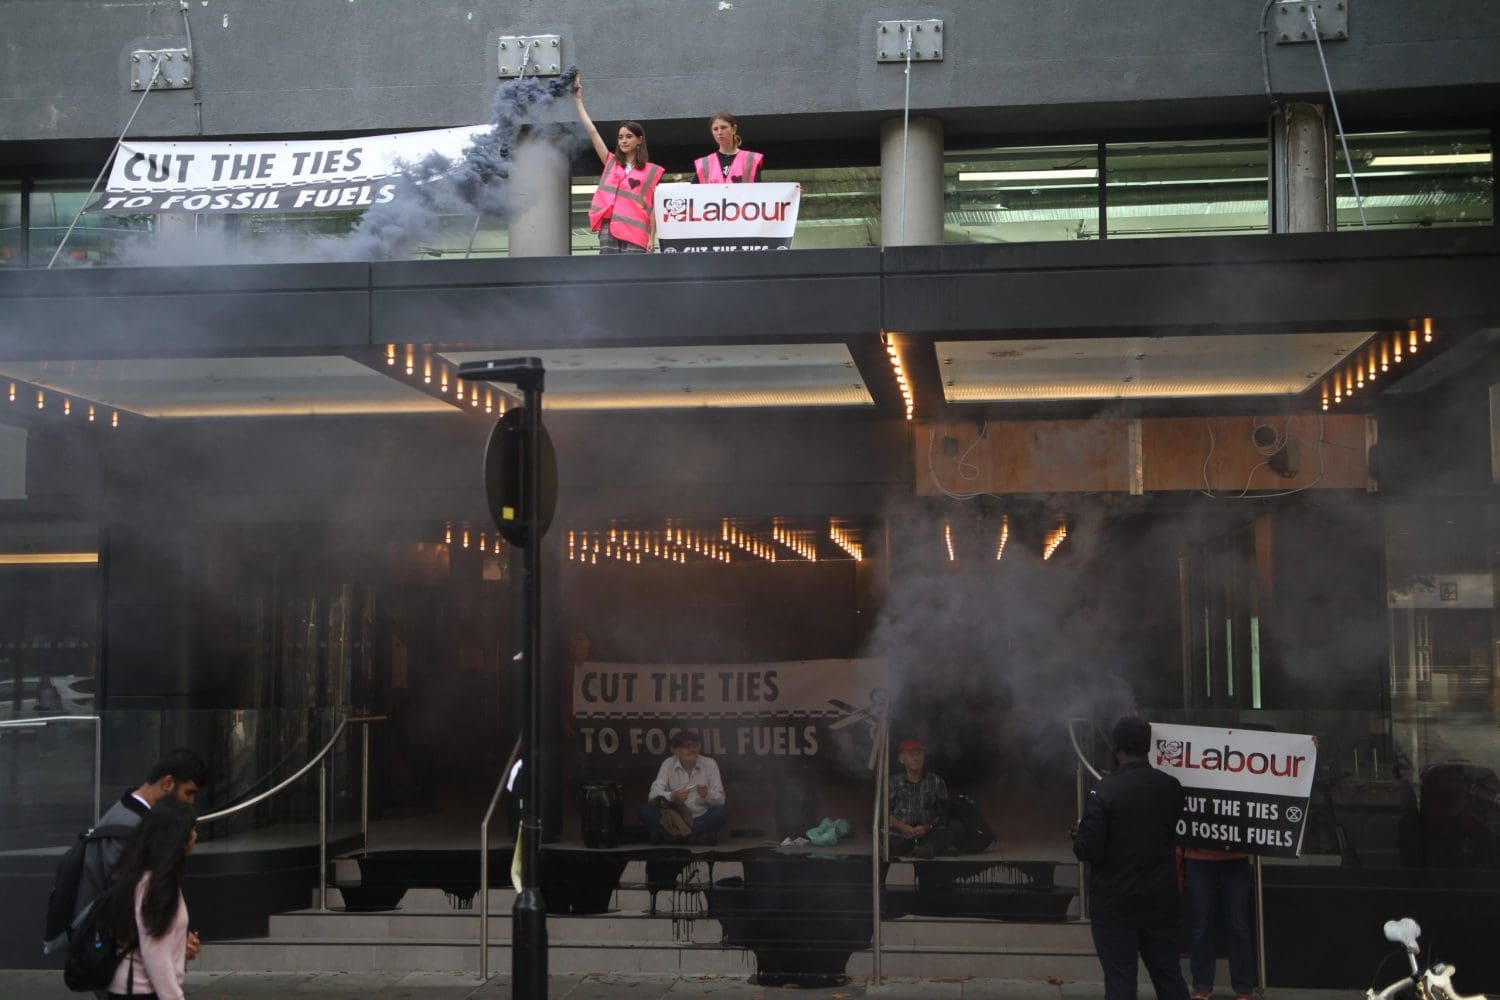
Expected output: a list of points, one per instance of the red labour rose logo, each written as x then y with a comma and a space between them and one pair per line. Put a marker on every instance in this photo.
1170, 752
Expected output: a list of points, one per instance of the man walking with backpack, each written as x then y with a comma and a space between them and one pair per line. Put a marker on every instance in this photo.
90, 864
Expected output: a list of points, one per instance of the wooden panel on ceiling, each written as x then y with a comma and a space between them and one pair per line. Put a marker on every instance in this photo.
1219, 454
1023, 456
1213, 454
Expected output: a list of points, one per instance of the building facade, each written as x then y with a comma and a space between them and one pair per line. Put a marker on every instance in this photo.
1125, 358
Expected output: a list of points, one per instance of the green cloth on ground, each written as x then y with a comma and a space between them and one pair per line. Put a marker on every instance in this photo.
828, 832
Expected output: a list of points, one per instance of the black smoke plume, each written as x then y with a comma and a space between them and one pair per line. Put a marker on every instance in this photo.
473, 184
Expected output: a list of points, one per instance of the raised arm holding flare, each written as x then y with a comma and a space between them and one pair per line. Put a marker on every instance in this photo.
622, 211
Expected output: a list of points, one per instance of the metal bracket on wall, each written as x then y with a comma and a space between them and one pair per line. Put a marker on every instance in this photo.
926, 41
537, 55
1294, 26
176, 69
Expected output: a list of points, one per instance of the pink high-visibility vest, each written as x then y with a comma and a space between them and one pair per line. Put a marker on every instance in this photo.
745, 168
624, 197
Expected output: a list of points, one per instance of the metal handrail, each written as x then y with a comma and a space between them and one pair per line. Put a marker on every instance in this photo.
1080, 801
242, 806
880, 838
321, 760
1073, 738
98, 747
484, 861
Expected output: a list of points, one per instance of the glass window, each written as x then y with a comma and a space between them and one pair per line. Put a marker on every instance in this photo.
1211, 187
1444, 660
1414, 180
10, 224
840, 206
96, 239
1035, 194
296, 235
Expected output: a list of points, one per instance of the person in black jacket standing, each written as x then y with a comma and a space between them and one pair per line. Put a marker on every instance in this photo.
1128, 837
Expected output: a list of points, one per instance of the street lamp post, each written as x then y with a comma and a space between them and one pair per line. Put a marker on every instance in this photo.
519, 515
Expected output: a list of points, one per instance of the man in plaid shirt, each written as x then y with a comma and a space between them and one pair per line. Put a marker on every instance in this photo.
919, 806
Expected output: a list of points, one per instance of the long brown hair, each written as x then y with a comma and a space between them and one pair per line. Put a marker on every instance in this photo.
731, 121
641, 156
158, 848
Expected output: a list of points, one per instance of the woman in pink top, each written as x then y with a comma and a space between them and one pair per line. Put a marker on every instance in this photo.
151, 922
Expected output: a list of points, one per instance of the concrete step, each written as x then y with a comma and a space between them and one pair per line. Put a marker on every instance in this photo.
696, 926
399, 954
502, 900
604, 928
978, 963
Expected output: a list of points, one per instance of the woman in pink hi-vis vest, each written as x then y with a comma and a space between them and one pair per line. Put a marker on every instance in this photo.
622, 210
729, 164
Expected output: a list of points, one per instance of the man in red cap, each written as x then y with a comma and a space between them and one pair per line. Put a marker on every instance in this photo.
919, 806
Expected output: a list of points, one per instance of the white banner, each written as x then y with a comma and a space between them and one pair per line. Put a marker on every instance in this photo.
1247, 790
292, 176
708, 218
786, 709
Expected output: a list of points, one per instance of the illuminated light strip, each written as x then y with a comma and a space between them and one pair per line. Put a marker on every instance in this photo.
1068, 174
801, 542
48, 558
1428, 159
749, 543
1055, 538
900, 370
67, 403
1004, 536
841, 537
948, 540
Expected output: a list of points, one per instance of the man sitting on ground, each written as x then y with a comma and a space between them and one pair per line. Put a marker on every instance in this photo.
686, 782
919, 806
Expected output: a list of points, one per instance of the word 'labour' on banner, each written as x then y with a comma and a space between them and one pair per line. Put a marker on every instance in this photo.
1246, 790
718, 218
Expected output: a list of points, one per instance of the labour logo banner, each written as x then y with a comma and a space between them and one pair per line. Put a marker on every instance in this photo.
744, 712
718, 218
314, 175
1247, 790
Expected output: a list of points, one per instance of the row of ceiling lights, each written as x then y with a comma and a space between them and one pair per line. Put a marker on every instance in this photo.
436, 370
900, 370
1050, 541
679, 545
15, 395
464, 536
1372, 360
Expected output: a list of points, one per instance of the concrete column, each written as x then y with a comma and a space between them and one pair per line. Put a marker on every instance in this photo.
1302, 173
922, 172
538, 197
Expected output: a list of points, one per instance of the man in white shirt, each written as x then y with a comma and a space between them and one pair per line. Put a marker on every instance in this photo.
690, 782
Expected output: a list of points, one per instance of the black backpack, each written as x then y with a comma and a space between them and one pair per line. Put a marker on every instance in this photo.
93, 953
60, 912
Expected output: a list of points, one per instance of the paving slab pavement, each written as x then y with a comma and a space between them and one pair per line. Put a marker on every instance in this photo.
47, 984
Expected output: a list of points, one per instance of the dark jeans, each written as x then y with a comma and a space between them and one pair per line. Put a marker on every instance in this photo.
711, 822
1221, 890
1120, 947
941, 840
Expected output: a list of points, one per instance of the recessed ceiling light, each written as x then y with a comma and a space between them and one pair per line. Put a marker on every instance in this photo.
1429, 159
1081, 173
